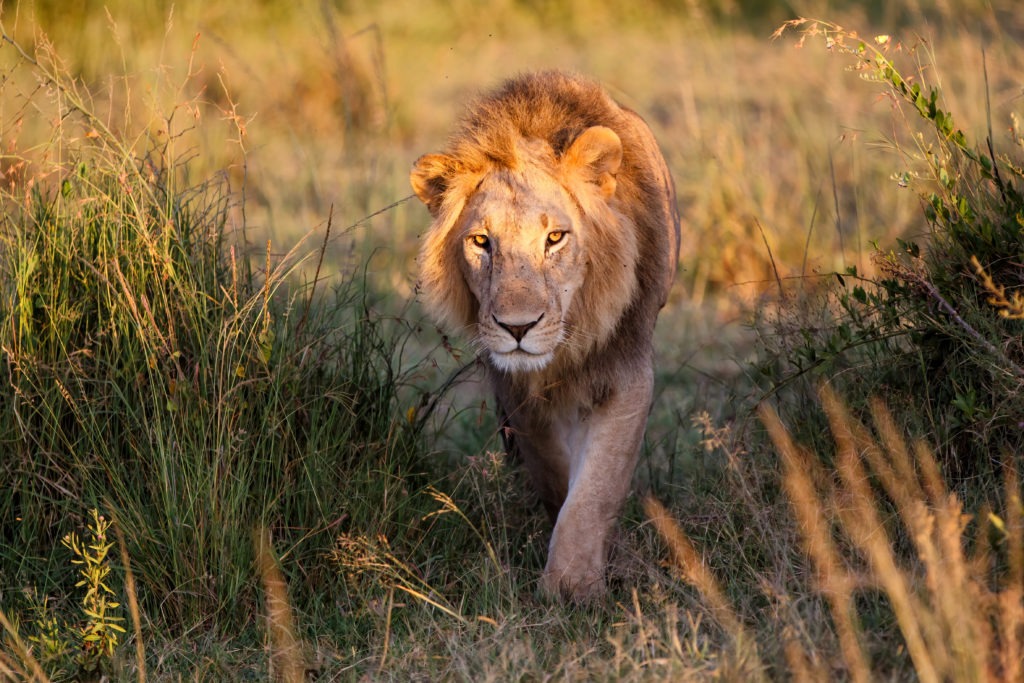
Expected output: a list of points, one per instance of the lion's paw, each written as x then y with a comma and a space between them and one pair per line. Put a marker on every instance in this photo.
578, 581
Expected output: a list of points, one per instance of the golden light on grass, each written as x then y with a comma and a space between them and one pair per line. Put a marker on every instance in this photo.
697, 573
21, 665
958, 603
361, 557
960, 615
285, 647
1009, 305
801, 471
860, 520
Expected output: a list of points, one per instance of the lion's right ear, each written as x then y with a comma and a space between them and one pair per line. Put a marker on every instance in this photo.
430, 177
597, 155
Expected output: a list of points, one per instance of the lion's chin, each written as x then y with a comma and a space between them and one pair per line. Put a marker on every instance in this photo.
519, 361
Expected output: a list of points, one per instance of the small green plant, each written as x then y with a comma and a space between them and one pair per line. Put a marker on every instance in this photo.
82, 639
52, 640
97, 634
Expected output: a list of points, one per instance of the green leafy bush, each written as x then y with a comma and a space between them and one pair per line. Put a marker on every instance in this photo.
938, 328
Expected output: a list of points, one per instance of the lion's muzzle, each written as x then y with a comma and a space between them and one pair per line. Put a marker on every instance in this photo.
518, 331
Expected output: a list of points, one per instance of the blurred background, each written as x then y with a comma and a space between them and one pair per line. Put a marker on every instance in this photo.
777, 151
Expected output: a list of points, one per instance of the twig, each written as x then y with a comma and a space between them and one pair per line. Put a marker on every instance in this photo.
975, 335
316, 275
771, 257
378, 212
453, 378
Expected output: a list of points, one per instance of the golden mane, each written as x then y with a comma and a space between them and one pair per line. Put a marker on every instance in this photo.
555, 107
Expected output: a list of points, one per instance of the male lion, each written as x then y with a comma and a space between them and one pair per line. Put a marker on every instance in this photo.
554, 243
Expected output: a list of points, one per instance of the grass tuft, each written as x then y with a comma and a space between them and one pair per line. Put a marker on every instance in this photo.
957, 611
155, 372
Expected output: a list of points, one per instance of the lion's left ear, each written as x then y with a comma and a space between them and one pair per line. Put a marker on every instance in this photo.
430, 177
597, 155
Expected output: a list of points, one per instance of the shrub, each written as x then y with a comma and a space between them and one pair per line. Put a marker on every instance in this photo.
939, 327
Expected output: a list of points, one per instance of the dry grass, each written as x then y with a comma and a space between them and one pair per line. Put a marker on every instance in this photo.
956, 593
959, 613
322, 107
697, 573
286, 655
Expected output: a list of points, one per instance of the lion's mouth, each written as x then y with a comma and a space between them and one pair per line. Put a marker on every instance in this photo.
520, 360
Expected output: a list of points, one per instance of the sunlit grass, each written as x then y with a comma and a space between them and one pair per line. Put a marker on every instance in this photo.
204, 339
331, 107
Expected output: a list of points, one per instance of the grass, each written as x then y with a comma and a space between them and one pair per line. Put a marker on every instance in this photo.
206, 342
959, 615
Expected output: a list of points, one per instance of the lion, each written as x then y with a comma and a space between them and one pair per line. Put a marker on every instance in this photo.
554, 243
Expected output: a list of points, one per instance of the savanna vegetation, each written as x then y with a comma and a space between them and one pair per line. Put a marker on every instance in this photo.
231, 448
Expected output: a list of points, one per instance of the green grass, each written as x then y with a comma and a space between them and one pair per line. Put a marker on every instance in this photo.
204, 341
157, 372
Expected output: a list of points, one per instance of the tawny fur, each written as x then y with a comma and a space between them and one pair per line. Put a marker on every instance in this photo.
542, 140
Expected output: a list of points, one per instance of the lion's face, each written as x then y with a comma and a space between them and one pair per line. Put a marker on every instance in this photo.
511, 251
522, 257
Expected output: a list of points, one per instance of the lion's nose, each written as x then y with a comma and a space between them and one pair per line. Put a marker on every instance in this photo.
517, 331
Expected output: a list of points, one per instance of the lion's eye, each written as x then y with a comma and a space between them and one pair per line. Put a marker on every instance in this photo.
555, 237
481, 241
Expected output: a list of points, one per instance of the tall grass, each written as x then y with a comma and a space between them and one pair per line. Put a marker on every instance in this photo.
155, 371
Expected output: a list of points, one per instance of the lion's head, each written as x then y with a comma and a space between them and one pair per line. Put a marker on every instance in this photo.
529, 250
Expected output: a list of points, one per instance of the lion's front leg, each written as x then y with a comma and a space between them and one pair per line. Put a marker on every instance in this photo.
600, 471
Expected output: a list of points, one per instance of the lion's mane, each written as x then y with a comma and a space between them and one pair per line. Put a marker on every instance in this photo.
557, 107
